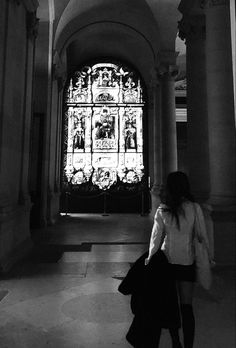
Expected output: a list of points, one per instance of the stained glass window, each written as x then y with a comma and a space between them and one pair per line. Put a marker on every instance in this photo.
103, 127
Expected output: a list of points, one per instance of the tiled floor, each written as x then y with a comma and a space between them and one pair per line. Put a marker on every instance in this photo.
65, 295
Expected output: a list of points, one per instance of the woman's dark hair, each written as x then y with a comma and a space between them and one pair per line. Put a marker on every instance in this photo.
177, 191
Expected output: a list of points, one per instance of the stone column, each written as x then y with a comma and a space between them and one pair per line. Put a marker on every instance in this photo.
150, 136
192, 30
221, 122
32, 27
59, 78
46, 189
155, 146
167, 75
233, 44
16, 66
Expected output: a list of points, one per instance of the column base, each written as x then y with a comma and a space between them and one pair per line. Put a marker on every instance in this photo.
15, 255
222, 200
14, 235
53, 207
224, 220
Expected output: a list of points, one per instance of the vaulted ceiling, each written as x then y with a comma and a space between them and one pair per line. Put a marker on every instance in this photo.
140, 32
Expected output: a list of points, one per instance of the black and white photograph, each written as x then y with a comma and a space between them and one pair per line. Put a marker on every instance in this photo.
117, 173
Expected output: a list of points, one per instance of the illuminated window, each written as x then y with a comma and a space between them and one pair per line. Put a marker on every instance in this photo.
103, 127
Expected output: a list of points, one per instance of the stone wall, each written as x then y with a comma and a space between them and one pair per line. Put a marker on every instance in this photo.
17, 34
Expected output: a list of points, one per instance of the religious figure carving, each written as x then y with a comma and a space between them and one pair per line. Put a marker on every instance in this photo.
104, 178
130, 130
130, 137
79, 137
105, 78
105, 126
78, 131
78, 178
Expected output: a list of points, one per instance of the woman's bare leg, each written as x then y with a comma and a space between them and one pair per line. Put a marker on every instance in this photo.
185, 290
174, 333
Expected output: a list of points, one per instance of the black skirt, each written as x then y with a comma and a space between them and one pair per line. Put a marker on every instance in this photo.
184, 273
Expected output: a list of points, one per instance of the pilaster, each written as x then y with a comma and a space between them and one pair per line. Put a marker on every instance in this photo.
167, 73
192, 29
50, 85
155, 135
16, 87
58, 81
221, 118
31, 31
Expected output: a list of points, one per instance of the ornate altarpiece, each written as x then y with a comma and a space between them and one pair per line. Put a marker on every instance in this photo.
103, 135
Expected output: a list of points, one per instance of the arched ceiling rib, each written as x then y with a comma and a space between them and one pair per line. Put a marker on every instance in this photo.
134, 13
134, 30
113, 40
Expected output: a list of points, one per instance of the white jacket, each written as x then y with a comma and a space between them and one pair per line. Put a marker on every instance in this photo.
177, 243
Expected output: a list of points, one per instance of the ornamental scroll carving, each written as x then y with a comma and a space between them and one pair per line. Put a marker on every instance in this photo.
102, 83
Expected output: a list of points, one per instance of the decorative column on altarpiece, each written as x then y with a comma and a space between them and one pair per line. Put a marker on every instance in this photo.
221, 122
192, 30
167, 74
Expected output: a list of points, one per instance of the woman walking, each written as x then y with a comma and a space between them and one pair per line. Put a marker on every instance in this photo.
173, 233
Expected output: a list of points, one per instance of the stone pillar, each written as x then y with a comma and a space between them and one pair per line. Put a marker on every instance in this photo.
59, 139
32, 27
233, 44
167, 75
192, 30
221, 122
59, 77
46, 189
156, 146
16, 71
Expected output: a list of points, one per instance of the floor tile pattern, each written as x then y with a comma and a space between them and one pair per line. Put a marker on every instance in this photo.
64, 295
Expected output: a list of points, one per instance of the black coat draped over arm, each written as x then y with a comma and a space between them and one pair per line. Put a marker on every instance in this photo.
154, 300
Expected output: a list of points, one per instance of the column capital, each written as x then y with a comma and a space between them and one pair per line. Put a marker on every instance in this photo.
167, 58
154, 81
30, 5
166, 64
32, 24
192, 28
167, 71
59, 72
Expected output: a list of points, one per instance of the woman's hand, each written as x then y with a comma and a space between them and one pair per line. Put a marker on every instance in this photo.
212, 263
146, 262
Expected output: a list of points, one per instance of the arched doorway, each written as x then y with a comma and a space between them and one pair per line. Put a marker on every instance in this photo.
104, 155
